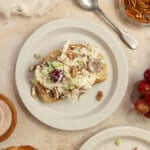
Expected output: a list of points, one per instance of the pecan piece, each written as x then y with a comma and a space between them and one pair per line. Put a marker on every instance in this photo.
73, 72
136, 148
71, 55
99, 95
55, 93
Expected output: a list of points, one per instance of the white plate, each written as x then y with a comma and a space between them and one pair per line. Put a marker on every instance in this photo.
130, 138
74, 115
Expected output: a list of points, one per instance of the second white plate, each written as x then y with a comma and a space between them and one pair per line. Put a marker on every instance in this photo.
129, 138
74, 115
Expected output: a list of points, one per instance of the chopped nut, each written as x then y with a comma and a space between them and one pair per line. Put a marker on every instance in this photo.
55, 93
31, 68
138, 16
136, 148
72, 47
33, 92
37, 66
43, 62
47, 90
71, 55
99, 95
73, 72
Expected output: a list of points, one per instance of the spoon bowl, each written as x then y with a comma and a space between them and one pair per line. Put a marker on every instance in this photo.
88, 4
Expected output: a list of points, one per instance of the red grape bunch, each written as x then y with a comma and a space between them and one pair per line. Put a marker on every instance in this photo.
142, 105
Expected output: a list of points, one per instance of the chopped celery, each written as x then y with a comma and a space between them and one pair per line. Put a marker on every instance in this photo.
71, 87
118, 142
57, 64
34, 81
50, 69
45, 71
73, 81
80, 62
37, 56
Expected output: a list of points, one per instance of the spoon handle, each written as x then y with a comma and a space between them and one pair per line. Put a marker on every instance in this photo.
125, 36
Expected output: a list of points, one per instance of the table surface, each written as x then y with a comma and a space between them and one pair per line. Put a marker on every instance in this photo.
29, 131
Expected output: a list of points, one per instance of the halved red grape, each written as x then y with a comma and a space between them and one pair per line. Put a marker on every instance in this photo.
57, 75
95, 65
147, 75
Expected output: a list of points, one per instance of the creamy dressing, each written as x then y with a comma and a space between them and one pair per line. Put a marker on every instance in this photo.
5, 117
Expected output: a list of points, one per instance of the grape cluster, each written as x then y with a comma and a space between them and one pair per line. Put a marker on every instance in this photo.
142, 105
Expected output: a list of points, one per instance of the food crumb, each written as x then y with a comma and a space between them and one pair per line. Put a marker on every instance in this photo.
136, 148
37, 56
99, 95
117, 142
33, 92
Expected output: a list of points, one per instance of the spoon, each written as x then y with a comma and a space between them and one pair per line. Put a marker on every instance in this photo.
92, 5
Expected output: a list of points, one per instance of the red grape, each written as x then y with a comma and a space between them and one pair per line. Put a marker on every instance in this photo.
147, 98
143, 87
141, 106
147, 75
147, 114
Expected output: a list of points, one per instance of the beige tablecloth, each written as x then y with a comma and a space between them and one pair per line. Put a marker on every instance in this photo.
14, 32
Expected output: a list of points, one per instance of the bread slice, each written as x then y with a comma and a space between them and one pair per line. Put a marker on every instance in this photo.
48, 98
53, 55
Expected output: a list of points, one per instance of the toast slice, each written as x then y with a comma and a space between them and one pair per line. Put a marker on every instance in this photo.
49, 97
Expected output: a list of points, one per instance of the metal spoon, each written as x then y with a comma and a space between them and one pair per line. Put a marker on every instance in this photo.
92, 5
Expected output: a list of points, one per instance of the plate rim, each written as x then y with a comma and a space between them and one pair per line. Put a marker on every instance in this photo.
81, 21
115, 129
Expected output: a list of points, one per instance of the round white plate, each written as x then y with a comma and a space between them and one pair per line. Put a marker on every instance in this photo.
130, 138
87, 112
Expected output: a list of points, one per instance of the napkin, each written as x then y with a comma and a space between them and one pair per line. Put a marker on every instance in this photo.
9, 8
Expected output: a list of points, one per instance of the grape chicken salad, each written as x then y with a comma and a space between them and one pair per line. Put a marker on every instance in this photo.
68, 72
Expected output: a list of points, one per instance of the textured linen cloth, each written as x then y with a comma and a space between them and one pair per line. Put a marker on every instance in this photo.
9, 8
